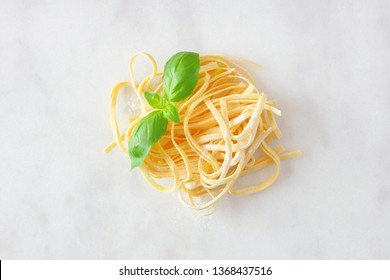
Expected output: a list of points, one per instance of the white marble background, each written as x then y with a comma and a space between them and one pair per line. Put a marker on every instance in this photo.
326, 62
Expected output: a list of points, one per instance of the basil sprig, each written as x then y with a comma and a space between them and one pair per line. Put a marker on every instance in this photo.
181, 74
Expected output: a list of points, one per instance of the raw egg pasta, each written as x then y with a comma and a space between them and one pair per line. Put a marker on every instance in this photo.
223, 123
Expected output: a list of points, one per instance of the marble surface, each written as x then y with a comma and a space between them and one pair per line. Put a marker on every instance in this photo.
326, 62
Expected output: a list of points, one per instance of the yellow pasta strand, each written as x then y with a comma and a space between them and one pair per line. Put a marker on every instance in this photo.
223, 123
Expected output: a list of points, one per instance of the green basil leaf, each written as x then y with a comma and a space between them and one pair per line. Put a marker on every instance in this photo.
155, 100
147, 133
170, 112
181, 74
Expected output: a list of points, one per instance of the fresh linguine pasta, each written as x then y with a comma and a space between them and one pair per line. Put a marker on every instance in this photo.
223, 123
